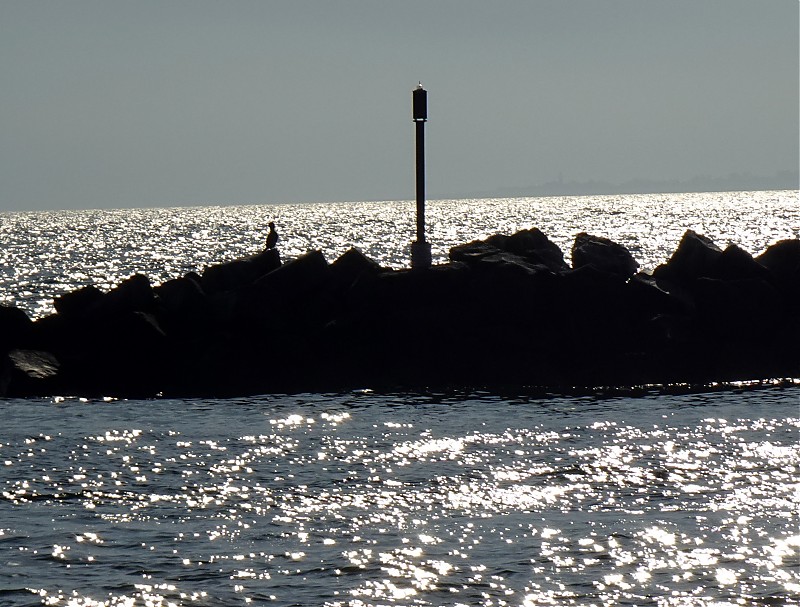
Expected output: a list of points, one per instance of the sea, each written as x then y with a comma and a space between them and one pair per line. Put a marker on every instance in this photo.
662, 496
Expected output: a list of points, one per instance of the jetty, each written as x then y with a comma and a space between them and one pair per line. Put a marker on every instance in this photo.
506, 313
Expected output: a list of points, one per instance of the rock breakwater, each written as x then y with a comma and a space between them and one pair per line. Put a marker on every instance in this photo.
506, 312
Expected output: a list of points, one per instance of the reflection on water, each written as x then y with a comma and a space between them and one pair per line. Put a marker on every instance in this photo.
48, 253
364, 499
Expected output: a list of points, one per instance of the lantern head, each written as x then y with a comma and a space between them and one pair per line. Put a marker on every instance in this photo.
420, 99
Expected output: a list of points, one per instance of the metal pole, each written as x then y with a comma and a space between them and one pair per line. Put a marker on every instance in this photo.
420, 181
420, 250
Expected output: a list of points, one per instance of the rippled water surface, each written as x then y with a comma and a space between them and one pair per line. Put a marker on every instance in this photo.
365, 499
44, 254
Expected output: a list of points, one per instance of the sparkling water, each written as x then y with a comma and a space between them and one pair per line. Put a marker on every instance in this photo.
364, 498
45, 254
403, 499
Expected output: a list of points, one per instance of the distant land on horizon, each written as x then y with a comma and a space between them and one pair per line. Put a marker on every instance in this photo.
782, 180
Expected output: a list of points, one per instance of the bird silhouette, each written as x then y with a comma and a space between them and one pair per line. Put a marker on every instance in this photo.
272, 237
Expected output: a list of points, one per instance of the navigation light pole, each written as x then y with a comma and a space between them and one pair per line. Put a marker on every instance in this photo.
420, 249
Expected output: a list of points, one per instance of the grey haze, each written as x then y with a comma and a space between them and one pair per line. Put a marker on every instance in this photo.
154, 103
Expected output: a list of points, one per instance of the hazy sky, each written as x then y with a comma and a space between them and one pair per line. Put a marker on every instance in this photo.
158, 103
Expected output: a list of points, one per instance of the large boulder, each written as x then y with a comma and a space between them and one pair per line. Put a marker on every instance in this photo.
593, 296
472, 252
31, 373
228, 276
134, 294
535, 247
298, 276
352, 266
184, 308
737, 264
119, 355
752, 331
648, 300
782, 260
78, 303
295, 297
239, 273
695, 256
532, 246
181, 295
604, 255
15, 327
34, 364
404, 326
740, 310
411, 291
509, 266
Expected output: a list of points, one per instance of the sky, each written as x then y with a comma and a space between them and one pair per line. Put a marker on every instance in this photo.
152, 103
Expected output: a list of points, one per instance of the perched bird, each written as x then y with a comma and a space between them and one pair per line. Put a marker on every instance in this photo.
272, 237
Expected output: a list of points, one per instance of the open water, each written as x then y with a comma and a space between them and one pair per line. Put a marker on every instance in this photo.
43, 254
362, 498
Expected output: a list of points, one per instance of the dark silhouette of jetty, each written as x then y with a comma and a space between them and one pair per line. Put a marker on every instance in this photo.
506, 313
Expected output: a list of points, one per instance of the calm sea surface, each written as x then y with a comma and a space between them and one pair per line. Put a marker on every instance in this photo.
402, 499
363, 498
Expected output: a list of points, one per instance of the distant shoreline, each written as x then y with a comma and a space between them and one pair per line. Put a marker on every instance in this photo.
784, 181
541, 192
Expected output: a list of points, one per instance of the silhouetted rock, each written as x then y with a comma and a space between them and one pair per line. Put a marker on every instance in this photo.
181, 295
298, 276
78, 303
184, 309
51, 332
737, 264
597, 309
535, 247
472, 252
603, 255
352, 266
647, 296
238, 273
296, 294
34, 364
695, 256
508, 265
782, 259
123, 355
504, 312
526, 255
739, 309
15, 328
32, 372
783, 262
134, 294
